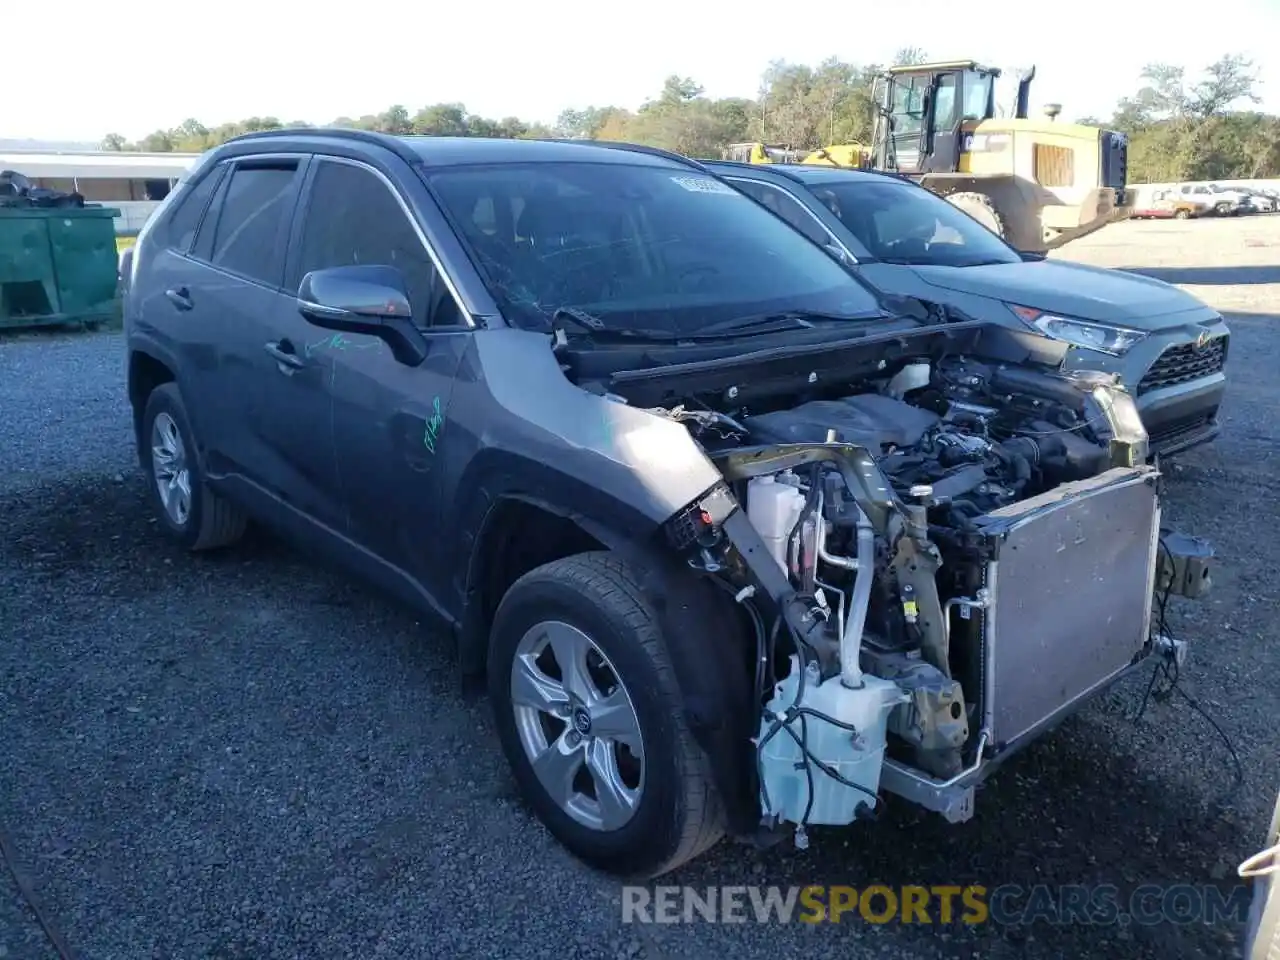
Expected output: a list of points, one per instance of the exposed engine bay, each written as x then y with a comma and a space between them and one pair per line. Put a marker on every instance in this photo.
943, 560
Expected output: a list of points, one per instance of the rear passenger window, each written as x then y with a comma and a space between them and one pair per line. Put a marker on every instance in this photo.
247, 230
790, 209
185, 219
353, 218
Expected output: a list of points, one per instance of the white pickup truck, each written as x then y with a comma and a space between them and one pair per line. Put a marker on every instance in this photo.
1224, 201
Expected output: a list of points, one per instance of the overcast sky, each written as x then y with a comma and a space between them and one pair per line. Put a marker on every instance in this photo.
149, 64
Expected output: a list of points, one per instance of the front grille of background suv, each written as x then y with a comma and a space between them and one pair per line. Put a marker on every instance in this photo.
1184, 362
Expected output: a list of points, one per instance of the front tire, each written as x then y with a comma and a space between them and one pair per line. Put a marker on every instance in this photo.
981, 208
592, 720
191, 513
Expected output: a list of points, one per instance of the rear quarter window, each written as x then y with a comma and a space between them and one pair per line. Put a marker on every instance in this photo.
192, 202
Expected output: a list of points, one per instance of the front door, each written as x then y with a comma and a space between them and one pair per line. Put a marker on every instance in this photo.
944, 126
389, 421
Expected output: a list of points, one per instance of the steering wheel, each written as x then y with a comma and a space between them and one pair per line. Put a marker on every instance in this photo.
569, 271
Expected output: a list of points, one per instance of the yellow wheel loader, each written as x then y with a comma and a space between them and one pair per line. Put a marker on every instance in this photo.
1037, 183
761, 153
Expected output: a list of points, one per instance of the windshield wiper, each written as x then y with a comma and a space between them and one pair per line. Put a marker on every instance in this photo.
775, 323
978, 262
595, 328
927, 261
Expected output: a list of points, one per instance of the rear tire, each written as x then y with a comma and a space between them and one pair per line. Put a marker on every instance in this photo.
192, 514
1182, 215
593, 603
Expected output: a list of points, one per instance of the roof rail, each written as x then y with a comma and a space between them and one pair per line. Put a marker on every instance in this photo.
384, 140
781, 169
634, 148
790, 171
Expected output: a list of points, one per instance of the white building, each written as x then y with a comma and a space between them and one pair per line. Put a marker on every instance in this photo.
135, 183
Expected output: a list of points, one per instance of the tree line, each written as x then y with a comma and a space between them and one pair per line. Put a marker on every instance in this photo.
1180, 127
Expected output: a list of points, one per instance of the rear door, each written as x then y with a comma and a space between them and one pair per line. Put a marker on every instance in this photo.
265, 402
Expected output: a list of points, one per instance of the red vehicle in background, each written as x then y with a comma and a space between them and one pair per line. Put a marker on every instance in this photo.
1166, 205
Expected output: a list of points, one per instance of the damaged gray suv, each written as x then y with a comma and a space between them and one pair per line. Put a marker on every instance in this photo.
739, 546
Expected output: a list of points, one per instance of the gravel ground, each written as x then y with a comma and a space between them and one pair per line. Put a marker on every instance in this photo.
245, 756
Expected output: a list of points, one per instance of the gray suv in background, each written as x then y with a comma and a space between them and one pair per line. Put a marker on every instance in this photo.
731, 541
1168, 347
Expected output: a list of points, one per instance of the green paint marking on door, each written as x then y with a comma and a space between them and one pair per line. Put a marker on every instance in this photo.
434, 425
338, 342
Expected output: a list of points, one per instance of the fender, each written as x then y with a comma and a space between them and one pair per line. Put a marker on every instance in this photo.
708, 637
495, 476
143, 345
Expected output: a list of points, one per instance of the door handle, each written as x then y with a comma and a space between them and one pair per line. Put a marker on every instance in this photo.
282, 352
180, 297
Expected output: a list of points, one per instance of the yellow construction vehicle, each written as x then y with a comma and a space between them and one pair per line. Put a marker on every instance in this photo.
761, 153
1037, 183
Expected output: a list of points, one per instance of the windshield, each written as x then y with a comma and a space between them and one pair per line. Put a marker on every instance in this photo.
637, 246
902, 223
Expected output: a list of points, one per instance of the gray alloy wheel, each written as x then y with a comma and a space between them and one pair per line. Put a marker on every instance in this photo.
170, 469
577, 725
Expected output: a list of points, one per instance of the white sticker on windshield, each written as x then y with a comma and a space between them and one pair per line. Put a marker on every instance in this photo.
703, 185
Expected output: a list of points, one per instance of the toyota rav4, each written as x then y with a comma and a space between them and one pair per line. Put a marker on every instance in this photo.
738, 548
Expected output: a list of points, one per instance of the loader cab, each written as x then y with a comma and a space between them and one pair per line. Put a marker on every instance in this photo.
923, 108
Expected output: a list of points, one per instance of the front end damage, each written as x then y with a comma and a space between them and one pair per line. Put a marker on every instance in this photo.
945, 564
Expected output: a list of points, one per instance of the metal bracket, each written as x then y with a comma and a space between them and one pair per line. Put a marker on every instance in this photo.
953, 801
1175, 650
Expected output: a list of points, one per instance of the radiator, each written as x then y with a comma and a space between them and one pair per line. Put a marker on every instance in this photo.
1069, 591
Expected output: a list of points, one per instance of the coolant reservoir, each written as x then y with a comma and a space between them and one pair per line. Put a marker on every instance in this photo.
857, 758
773, 509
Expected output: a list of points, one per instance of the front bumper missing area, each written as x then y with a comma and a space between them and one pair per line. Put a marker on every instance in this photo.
1065, 613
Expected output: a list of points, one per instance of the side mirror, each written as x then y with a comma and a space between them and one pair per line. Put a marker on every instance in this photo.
364, 299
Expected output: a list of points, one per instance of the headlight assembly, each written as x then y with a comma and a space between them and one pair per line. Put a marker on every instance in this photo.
1102, 337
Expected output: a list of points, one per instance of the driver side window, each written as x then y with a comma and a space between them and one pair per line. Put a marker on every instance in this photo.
353, 218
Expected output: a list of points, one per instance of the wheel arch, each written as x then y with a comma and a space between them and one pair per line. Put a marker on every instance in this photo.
706, 634
148, 368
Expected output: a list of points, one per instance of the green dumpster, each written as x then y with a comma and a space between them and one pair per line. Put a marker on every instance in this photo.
58, 265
